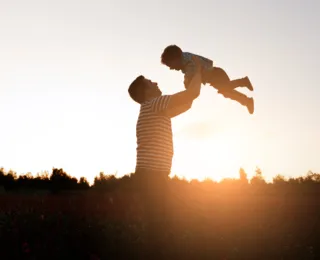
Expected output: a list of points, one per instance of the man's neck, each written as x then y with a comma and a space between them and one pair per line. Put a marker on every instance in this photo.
152, 97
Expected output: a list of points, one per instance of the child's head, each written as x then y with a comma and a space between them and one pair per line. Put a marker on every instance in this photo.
172, 57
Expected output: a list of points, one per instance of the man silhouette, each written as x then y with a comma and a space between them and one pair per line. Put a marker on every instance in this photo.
155, 148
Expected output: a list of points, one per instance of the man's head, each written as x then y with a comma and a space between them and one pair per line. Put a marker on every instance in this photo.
172, 57
142, 89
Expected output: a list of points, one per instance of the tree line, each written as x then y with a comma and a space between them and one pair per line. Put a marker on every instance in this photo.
59, 180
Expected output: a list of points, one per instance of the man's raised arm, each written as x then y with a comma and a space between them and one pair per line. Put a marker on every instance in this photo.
186, 97
172, 105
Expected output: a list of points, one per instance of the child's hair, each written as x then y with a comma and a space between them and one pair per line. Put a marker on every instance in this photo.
170, 53
136, 89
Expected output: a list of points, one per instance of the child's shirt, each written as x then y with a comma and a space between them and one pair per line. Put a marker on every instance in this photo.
189, 67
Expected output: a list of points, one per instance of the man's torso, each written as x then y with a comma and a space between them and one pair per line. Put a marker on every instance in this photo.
154, 140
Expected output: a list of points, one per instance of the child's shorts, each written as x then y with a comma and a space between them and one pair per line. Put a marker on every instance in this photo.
217, 78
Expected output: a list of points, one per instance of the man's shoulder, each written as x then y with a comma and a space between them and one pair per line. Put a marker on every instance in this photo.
156, 101
155, 106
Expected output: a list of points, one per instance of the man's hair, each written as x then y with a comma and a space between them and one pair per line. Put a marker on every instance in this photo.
136, 89
171, 53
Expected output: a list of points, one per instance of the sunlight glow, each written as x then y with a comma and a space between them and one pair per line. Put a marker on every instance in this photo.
219, 157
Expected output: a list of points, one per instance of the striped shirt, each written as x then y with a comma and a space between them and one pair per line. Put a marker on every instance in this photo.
189, 67
154, 136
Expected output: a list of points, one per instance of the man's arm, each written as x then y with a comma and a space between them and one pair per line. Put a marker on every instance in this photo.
178, 110
192, 91
171, 104
187, 79
191, 68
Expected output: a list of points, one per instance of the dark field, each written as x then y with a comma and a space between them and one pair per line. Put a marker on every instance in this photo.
228, 220
81, 226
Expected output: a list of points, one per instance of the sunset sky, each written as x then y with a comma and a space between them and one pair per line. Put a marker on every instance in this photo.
66, 67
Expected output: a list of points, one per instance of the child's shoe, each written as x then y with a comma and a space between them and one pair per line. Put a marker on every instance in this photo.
250, 105
248, 83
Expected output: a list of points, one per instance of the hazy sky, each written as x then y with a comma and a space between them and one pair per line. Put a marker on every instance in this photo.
66, 66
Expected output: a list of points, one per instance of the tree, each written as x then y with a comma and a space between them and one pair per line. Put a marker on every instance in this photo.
312, 177
243, 176
258, 178
83, 183
8, 179
279, 179
105, 182
61, 180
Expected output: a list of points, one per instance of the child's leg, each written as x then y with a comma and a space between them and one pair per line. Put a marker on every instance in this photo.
218, 78
243, 82
239, 97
